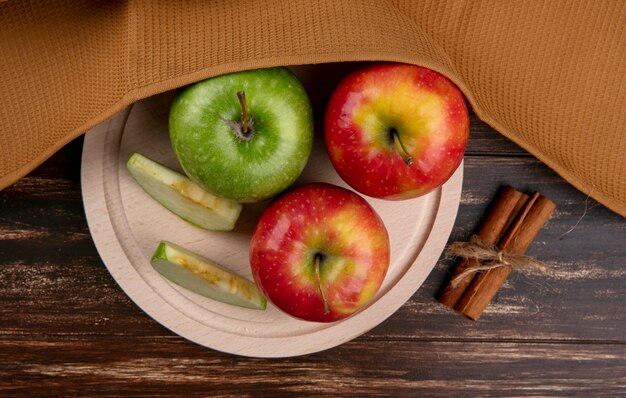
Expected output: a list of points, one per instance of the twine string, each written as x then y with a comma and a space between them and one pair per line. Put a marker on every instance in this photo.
581, 217
489, 257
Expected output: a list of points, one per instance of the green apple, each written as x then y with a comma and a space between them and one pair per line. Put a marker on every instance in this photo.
205, 277
182, 196
244, 136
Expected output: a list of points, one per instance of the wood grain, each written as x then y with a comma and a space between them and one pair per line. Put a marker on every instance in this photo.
582, 297
67, 329
159, 367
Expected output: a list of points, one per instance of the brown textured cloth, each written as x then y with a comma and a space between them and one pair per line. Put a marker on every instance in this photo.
550, 75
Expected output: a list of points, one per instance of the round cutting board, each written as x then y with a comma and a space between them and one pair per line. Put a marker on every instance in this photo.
127, 225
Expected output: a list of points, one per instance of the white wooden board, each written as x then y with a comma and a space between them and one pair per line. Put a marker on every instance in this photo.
126, 226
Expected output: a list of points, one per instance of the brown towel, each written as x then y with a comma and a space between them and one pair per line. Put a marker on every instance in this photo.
550, 75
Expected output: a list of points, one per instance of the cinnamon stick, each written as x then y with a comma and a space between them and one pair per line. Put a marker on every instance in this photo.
505, 209
517, 239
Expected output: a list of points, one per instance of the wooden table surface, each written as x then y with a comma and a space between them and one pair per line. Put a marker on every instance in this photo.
67, 329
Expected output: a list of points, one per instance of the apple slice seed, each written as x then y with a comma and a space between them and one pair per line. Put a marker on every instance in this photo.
182, 196
205, 277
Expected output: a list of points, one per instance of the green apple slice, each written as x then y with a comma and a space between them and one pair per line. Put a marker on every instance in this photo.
182, 196
205, 277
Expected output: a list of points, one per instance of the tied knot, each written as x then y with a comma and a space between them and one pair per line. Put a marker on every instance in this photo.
489, 257
501, 258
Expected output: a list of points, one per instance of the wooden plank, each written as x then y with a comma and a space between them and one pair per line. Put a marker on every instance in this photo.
52, 281
67, 329
149, 367
485, 141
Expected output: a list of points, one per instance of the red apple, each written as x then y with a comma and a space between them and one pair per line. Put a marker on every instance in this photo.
320, 252
396, 131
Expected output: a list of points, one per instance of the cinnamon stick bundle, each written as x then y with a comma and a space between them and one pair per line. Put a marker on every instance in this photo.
513, 222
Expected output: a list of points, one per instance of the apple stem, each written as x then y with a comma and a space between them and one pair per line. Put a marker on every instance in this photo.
244, 111
318, 259
408, 160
